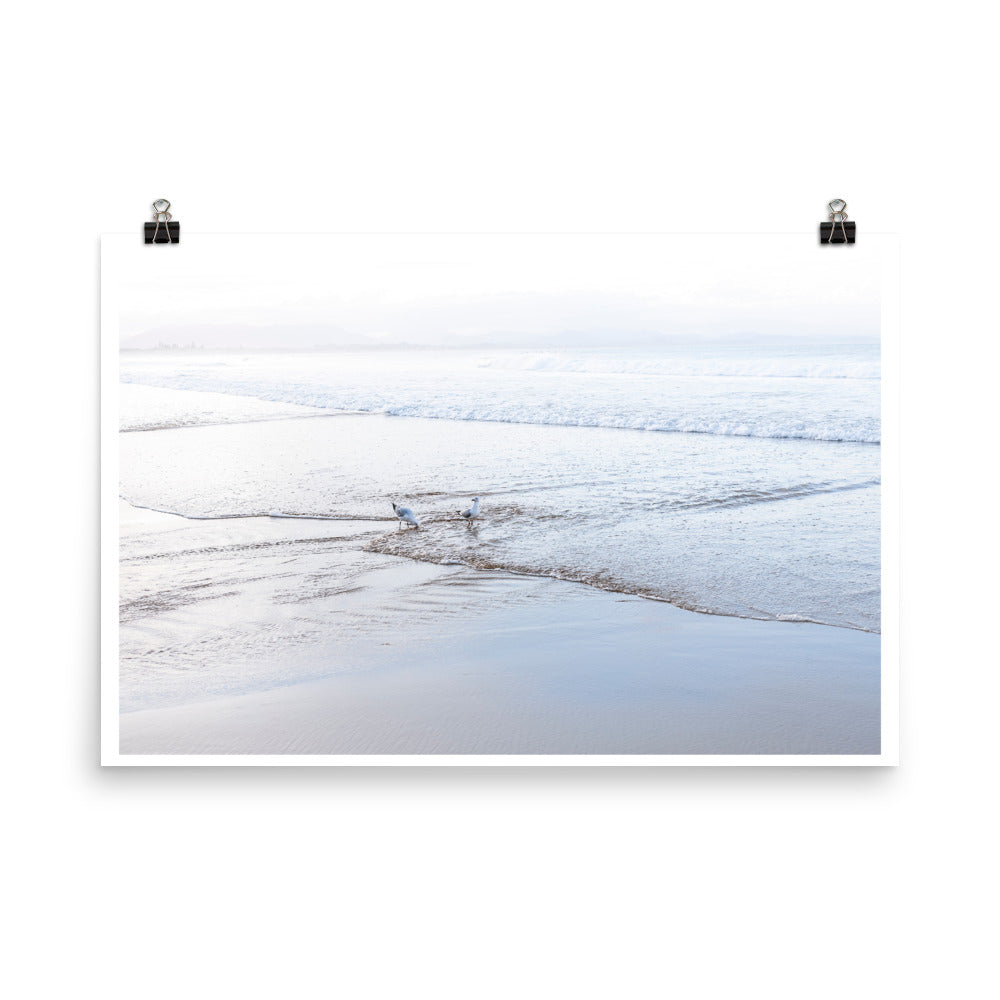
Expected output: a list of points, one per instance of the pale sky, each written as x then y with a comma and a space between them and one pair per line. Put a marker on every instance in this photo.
312, 290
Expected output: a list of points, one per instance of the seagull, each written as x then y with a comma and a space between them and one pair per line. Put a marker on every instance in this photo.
472, 512
405, 514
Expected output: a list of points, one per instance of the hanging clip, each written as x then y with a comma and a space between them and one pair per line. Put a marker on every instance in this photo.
828, 230
170, 231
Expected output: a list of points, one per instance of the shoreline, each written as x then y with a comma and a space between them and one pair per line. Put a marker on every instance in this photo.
420, 658
562, 502
350, 519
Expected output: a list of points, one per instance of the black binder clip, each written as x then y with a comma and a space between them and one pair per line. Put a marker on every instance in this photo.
161, 229
838, 217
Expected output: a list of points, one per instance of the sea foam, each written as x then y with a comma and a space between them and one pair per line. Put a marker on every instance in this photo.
806, 396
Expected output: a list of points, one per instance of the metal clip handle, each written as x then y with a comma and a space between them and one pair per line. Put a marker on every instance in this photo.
837, 214
161, 213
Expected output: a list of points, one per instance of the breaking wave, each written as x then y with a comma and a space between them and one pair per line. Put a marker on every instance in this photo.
608, 410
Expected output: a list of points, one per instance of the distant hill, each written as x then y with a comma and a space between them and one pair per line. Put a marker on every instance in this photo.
237, 336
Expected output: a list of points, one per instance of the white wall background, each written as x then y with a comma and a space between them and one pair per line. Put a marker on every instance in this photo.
541, 116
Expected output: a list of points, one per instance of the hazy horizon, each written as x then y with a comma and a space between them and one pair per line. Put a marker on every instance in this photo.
301, 293
180, 340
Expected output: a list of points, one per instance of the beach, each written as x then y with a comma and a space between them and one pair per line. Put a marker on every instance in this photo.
628, 590
383, 655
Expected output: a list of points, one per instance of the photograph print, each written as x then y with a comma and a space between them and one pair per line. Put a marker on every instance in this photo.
515, 498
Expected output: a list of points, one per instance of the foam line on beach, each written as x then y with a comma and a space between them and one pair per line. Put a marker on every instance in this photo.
184, 425
746, 497
255, 514
388, 546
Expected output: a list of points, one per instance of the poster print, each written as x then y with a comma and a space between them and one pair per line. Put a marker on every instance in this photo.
463, 499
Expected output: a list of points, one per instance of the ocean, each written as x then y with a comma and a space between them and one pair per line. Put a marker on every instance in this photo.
726, 477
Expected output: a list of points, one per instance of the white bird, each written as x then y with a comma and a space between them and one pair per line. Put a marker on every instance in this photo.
405, 514
472, 512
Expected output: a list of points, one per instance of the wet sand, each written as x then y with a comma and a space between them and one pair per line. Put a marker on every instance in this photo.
344, 651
